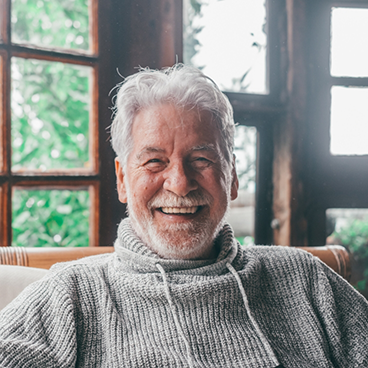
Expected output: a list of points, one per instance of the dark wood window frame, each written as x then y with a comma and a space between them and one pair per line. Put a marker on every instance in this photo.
264, 113
333, 181
99, 179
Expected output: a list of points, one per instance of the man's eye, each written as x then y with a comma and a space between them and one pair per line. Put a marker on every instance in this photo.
201, 162
154, 164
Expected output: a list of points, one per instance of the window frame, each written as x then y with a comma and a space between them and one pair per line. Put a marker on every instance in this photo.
95, 179
142, 33
263, 111
333, 181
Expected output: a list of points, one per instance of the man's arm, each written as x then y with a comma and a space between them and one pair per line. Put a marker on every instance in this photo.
343, 313
37, 329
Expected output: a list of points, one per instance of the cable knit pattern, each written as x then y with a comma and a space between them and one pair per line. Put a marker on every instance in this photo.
251, 307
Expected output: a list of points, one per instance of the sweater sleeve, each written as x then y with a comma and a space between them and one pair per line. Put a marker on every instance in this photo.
343, 313
37, 329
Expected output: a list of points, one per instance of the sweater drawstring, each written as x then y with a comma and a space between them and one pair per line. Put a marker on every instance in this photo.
176, 319
260, 334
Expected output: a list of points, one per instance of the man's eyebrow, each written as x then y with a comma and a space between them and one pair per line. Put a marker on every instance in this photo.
149, 150
210, 147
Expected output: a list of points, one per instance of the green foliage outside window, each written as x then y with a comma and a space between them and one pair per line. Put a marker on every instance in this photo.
51, 23
56, 218
50, 115
245, 142
50, 122
354, 236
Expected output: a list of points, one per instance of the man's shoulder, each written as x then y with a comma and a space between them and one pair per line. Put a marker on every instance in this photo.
70, 279
276, 251
280, 256
67, 282
278, 265
88, 267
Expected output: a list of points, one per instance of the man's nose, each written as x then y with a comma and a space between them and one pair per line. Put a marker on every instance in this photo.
179, 180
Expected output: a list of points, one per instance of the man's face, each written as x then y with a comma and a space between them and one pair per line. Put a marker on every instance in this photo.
176, 181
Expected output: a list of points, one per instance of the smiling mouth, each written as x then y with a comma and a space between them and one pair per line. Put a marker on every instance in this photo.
180, 210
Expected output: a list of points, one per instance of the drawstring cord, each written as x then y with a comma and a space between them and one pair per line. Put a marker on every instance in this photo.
261, 336
263, 339
176, 320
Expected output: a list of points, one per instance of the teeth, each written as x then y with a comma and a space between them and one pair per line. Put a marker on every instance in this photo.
179, 209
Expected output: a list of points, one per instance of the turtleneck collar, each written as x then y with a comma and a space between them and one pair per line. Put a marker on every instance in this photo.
139, 258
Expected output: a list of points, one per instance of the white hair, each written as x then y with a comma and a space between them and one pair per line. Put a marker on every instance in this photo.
180, 85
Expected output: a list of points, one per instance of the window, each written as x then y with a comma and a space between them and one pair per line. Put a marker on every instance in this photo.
77, 178
242, 209
229, 42
49, 123
349, 92
349, 120
337, 125
212, 33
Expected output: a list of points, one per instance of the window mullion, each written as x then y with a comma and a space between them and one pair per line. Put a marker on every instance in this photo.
5, 116
5, 21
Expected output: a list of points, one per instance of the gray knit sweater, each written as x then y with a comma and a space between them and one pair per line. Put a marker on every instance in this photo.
254, 307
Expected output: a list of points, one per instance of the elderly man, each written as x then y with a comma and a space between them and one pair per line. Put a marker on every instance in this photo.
179, 291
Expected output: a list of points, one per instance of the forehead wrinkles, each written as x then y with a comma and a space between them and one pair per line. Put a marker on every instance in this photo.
183, 117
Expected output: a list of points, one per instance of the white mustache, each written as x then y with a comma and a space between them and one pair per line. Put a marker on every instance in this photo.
192, 199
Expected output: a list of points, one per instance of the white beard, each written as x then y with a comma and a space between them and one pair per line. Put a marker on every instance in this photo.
181, 240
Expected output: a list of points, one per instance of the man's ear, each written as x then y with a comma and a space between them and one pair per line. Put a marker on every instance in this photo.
120, 183
234, 181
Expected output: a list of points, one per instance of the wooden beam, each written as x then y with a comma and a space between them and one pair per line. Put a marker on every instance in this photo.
149, 33
290, 226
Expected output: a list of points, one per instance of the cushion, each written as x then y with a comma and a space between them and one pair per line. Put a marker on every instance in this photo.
13, 279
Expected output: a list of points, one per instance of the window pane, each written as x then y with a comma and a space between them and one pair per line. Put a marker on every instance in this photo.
50, 115
54, 218
349, 227
228, 41
241, 214
349, 121
51, 23
349, 50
